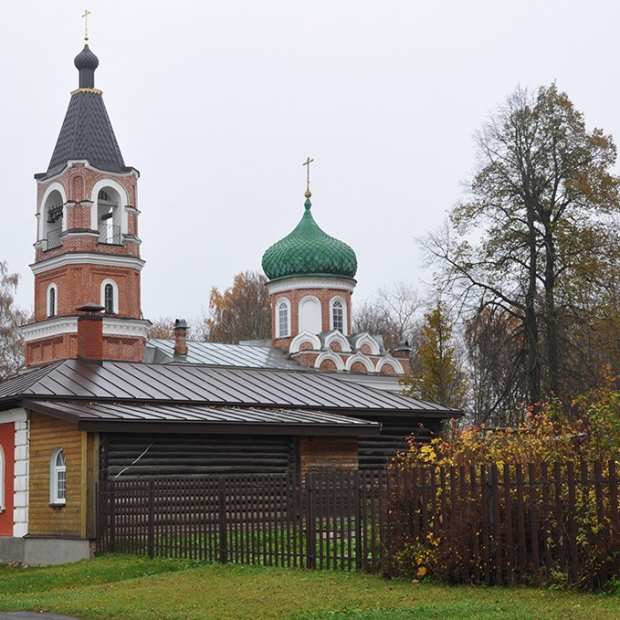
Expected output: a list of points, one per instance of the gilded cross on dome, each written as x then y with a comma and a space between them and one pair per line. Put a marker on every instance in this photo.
85, 17
307, 163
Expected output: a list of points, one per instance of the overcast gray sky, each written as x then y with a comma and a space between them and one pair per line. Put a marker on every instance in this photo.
218, 103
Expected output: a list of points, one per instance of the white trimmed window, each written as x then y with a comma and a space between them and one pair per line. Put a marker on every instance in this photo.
338, 315
2, 481
58, 477
52, 301
283, 319
109, 296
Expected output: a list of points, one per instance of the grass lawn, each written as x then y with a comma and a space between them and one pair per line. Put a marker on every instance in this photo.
131, 588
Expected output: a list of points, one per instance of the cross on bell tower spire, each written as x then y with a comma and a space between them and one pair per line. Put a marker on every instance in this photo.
85, 18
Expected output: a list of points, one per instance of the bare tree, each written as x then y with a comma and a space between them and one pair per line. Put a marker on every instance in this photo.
392, 314
11, 344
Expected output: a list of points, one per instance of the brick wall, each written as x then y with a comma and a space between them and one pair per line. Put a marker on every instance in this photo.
327, 453
64, 346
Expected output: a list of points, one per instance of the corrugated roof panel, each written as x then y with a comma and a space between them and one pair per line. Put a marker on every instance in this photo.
216, 354
195, 383
199, 413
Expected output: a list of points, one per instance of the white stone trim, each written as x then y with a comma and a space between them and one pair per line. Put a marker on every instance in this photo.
329, 355
134, 328
296, 343
21, 467
48, 329
316, 282
388, 360
335, 335
124, 201
366, 338
48, 306
81, 233
87, 258
345, 313
359, 357
127, 328
115, 301
55, 186
279, 302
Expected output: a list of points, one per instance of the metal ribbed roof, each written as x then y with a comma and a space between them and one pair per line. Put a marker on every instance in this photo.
211, 417
218, 354
192, 383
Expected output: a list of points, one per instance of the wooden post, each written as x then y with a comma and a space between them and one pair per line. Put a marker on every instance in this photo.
112, 515
222, 521
151, 520
310, 523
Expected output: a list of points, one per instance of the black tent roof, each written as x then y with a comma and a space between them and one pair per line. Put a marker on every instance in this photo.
86, 133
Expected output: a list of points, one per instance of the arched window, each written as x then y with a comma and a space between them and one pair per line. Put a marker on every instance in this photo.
58, 477
338, 316
109, 216
52, 301
2, 471
52, 220
109, 296
283, 331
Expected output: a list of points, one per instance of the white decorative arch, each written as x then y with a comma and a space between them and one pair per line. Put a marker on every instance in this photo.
300, 339
2, 478
124, 201
339, 337
310, 315
390, 361
329, 355
366, 338
114, 285
48, 305
345, 313
362, 359
52, 187
278, 331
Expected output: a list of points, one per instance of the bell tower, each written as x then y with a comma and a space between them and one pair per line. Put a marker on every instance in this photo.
87, 249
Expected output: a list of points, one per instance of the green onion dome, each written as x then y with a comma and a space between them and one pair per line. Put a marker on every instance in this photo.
308, 251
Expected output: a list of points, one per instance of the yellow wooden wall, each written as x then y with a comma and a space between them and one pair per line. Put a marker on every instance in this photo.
76, 517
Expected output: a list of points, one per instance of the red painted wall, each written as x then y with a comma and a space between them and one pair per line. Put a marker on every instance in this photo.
7, 441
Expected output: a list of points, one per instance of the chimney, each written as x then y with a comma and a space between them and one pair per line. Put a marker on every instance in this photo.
90, 332
403, 353
180, 339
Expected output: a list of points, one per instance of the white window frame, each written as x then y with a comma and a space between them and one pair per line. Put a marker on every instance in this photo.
115, 301
286, 301
332, 302
55, 470
2, 480
52, 287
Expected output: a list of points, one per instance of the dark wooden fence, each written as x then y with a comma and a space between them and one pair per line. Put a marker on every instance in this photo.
535, 523
333, 520
472, 524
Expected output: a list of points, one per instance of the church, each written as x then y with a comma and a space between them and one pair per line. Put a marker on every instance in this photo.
100, 400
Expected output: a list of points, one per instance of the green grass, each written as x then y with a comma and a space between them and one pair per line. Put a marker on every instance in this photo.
131, 588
